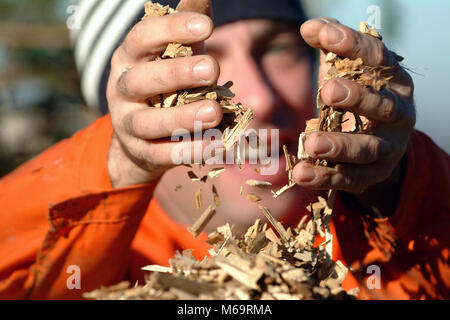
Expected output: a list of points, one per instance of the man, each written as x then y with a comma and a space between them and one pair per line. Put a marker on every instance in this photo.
105, 200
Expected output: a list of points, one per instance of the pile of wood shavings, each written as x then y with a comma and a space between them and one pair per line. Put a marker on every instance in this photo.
258, 266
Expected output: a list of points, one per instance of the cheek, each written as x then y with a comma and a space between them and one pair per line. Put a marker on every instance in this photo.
227, 71
295, 85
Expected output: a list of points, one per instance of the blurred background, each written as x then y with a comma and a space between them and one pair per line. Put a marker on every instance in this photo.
41, 103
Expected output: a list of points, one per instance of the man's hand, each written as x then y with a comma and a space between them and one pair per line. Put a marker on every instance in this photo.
140, 151
369, 158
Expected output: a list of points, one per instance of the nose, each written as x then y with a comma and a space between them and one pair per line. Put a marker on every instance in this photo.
252, 88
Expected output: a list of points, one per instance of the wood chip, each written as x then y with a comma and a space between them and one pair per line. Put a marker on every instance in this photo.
231, 136
169, 99
215, 172
157, 268
258, 184
216, 196
253, 197
281, 231
198, 199
201, 223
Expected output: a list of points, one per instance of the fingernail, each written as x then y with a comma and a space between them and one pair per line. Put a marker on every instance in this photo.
334, 35
322, 145
203, 70
206, 114
307, 174
198, 26
340, 92
322, 20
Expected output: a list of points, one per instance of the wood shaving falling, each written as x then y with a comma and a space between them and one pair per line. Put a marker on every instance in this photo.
291, 160
215, 172
193, 176
233, 135
201, 223
280, 229
259, 184
216, 196
198, 199
253, 197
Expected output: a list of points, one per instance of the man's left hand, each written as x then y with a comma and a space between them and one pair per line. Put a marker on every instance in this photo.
368, 158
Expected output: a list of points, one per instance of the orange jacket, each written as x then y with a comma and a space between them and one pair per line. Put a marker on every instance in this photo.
60, 210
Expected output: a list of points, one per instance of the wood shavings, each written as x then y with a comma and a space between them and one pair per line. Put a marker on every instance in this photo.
215, 172
365, 28
201, 223
198, 199
258, 265
253, 197
258, 184
169, 100
216, 196
193, 176
291, 160
176, 50
231, 136
156, 10
280, 229
157, 268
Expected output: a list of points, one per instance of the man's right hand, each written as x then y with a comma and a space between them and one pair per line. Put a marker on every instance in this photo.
140, 151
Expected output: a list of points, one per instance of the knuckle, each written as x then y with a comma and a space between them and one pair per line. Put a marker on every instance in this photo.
389, 107
115, 59
150, 153
131, 124
355, 185
350, 180
381, 53
137, 33
374, 149
129, 84
356, 46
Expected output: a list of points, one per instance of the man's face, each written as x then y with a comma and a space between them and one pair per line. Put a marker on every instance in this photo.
271, 68
272, 71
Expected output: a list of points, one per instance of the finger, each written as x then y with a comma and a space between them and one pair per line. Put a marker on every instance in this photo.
200, 6
152, 154
348, 177
346, 147
313, 27
346, 42
156, 123
152, 35
164, 76
382, 106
